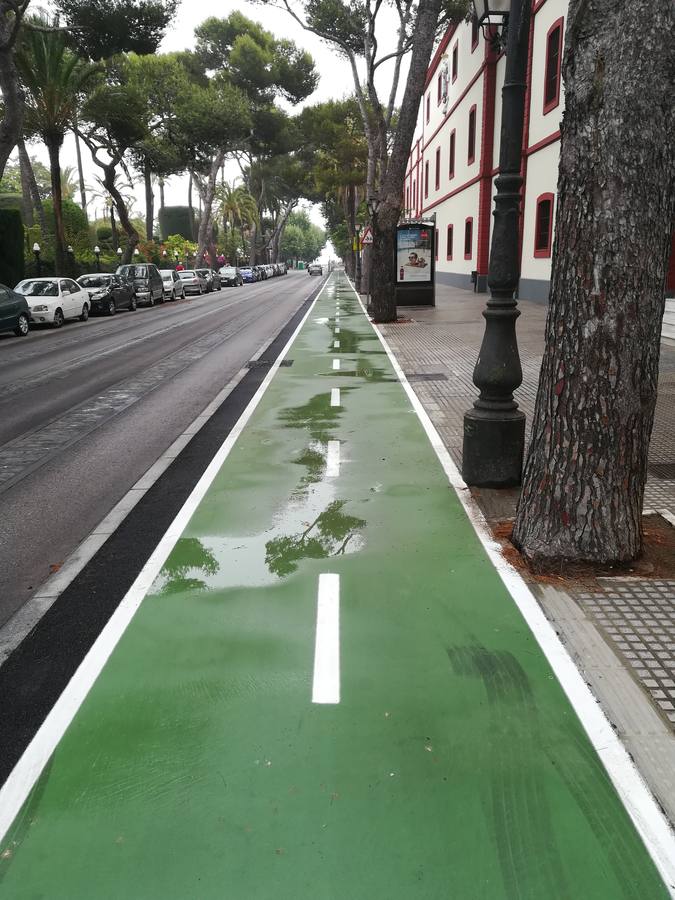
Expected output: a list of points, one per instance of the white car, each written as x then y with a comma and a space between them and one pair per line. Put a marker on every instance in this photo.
53, 300
173, 286
193, 282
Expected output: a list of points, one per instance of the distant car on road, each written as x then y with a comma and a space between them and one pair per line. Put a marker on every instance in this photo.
14, 312
173, 286
315, 269
108, 293
146, 280
212, 279
230, 276
193, 282
53, 300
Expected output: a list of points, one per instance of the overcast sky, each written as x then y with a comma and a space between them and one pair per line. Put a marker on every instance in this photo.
335, 79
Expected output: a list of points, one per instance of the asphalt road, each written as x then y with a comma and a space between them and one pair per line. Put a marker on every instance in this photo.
85, 411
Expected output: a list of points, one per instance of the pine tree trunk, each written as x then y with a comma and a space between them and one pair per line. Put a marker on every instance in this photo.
207, 196
24, 164
12, 113
122, 212
33, 189
191, 208
161, 193
113, 228
53, 147
80, 169
149, 202
586, 469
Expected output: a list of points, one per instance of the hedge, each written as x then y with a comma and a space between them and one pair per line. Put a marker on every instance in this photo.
11, 241
176, 220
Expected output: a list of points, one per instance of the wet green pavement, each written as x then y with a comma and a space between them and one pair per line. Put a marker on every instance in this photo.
453, 765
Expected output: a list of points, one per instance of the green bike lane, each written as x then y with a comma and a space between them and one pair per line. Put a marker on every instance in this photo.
408, 740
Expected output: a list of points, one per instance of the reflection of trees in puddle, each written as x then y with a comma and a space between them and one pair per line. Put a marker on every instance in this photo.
328, 535
317, 416
314, 459
188, 555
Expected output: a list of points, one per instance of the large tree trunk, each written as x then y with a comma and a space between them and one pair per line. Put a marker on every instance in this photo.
12, 119
53, 147
27, 194
207, 193
113, 228
587, 464
191, 207
149, 202
80, 170
122, 212
391, 187
161, 193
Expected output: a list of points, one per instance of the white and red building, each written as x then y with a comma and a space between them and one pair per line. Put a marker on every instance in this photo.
455, 155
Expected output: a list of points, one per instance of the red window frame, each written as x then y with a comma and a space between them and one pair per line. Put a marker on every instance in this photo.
471, 140
414, 195
554, 100
438, 168
474, 33
455, 62
468, 238
542, 250
451, 161
449, 241
428, 107
426, 179
439, 89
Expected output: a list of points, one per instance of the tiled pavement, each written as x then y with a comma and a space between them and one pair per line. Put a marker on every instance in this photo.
437, 349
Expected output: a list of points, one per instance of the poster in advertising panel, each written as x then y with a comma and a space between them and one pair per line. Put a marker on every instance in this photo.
414, 249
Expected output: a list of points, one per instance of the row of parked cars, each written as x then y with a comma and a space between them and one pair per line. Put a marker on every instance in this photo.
250, 274
51, 301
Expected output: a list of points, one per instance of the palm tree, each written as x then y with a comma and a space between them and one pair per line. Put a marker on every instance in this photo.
54, 78
237, 207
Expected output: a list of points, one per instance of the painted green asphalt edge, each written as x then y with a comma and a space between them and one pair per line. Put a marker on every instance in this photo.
464, 660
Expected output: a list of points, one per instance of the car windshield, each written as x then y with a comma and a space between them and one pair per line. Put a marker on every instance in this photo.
228, 270
94, 281
188, 274
167, 274
38, 289
204, 271
134, 271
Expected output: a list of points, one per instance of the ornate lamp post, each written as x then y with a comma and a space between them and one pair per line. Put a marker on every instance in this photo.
71, 257
37, 251
119, 254
97, 254
494, 430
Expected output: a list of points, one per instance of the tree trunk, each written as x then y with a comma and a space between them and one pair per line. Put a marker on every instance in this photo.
12, 119
207, 193
161, 193
149, 202
80, 170
122, 212
113, 228
33, 186
254, 241
586, 469
191, 208
27, 194
391, 187
53, 147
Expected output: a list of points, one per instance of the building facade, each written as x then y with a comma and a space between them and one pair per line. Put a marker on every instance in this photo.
455, 154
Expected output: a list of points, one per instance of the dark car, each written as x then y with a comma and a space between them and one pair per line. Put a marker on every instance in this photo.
14, 312
247, 276
146, 280
315, 269
230, 276
108, 293
212, 279
259, 272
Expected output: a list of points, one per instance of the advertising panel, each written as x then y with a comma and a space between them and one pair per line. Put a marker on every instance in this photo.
414, 254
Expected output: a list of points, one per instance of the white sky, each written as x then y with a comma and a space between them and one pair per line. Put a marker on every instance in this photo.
335, 81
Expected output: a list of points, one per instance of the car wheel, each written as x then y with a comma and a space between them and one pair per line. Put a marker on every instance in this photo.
85, 313
160, 299
112, 309
58, 318
21, 329
132, 303
151, 301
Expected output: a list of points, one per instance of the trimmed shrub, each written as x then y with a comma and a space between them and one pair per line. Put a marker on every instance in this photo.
176, 220
11, 241
11, 201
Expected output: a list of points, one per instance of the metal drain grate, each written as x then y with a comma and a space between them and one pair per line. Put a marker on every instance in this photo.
260, 363
427, 376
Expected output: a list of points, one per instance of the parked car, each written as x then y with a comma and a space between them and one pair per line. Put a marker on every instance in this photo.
53, 300
212, 279
315, 269
260, 273
193, 282
14, 312
108, 293
247, 276
146, 280
173, 286
230, 276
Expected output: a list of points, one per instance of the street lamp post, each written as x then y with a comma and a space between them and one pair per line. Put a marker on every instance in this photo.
71, 257
373, 204
119, 255
494, 430
97, 254
37, 251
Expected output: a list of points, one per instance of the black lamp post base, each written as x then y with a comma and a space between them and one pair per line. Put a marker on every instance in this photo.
494, 444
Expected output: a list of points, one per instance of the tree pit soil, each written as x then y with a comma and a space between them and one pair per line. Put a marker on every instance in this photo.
657, 560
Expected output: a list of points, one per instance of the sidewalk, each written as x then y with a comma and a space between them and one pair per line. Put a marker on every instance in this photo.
323, 686
622, 634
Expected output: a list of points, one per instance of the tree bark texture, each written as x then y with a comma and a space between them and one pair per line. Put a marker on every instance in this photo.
149, 202
586, 469
391, 186
12, 119
53, 149
207, 193
80, 170
28, 201
122, 212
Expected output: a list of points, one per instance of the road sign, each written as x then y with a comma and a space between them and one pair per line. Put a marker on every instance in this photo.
367, 236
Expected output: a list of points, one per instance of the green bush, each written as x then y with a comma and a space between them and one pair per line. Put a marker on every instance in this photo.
11, 201
11, 240
176, 220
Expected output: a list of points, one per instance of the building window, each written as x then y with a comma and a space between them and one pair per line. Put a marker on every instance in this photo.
428, 107
552, 68
455, 62
471, 155
426, 179
407, 200
439, 89
468, 238
449, 242
543, 226
451, 165
438, 168
474, 33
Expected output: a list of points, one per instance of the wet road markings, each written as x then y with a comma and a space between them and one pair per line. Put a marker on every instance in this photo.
336, 364
333, 459
336, 344
335, 397
337, 330
326, 682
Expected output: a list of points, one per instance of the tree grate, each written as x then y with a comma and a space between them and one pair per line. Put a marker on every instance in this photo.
427, 376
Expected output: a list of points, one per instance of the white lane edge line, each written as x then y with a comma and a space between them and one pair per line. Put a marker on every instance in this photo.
326, 679
335, 397
333, 459
639, 802
27, 770
336, 364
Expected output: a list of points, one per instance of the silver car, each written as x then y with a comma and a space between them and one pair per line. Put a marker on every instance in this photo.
193, 282
173, 286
